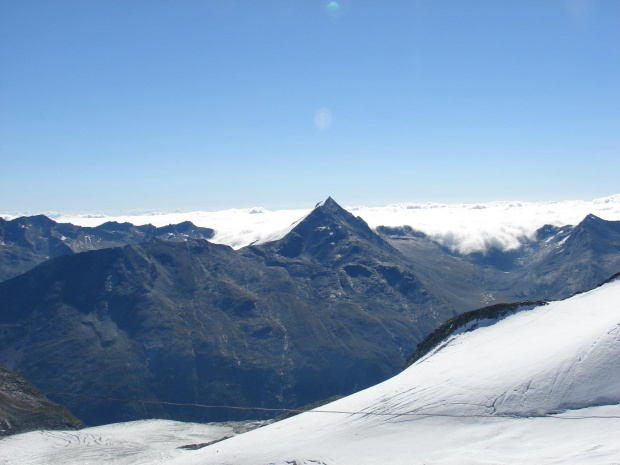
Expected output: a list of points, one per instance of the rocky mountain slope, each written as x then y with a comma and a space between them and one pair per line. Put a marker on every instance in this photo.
540, 386
27, 241
326, 308
23, 408
330, 308
529, 384
554, 264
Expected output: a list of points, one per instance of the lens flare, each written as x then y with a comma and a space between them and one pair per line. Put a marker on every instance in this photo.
323, 119
333, 9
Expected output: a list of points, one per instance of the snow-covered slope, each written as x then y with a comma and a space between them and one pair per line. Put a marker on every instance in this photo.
132, 443
541, 386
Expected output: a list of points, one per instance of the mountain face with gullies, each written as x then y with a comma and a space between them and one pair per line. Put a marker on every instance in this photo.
27, 241
327, 308
330, 308
535, 384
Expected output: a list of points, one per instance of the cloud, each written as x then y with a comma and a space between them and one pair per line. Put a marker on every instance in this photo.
468, 228
464, 228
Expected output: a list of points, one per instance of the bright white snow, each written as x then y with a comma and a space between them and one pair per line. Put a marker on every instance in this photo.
463, 227
132, 443
483, 397
488, 396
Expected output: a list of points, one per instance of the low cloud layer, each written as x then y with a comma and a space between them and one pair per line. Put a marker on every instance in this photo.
464, 228
468, 228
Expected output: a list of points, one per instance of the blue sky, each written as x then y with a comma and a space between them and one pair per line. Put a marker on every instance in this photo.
119, 105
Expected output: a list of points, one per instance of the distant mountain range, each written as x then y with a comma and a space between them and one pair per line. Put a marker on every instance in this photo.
556, 263
329, 308
27, 241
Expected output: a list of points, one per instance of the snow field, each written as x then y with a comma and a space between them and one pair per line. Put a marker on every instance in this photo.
541, 386
132, 443
487, 396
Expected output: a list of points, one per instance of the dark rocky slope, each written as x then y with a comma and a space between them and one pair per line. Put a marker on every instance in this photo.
23, 408
329, 309
556, 263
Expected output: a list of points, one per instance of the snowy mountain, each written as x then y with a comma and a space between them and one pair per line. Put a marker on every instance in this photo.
326, 307
540, 386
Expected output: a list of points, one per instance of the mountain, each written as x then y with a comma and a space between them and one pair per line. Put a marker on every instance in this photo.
327, 309
554, 264
543, 267
27, 241
526, 384
539, 386
569, 261
23, 408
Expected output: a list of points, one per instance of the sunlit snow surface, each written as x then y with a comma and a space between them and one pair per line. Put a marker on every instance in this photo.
488, 396
539, 387
132, 443
462, 227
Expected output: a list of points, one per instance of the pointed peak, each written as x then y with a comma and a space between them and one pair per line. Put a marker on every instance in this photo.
592, 224
591, 221
329, 204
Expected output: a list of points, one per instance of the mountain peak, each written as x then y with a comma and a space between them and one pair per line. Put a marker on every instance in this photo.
328, 203
327, 231
592, 218
601, 226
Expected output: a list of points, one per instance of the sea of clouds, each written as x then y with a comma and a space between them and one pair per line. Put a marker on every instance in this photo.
462, 227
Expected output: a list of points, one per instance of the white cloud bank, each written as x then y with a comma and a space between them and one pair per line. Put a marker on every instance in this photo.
476, 227
462, 227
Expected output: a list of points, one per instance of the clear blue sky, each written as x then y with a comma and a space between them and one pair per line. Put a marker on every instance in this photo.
116, 105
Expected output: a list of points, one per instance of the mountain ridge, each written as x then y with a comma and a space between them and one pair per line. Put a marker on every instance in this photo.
27, 241
196, 322
329, 308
